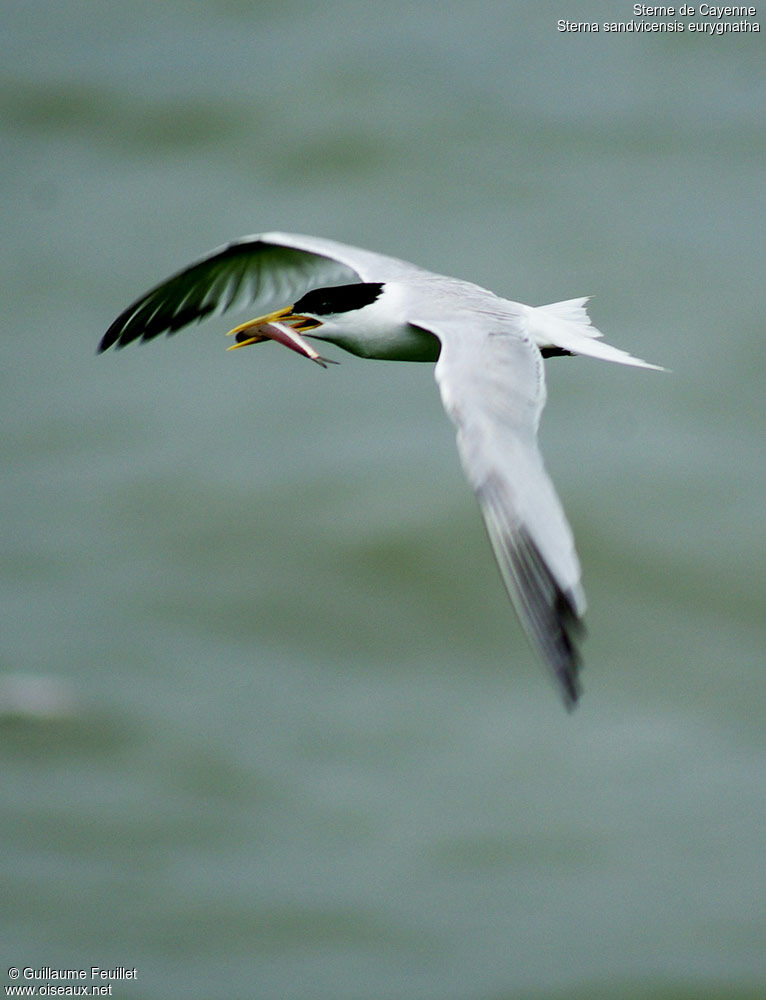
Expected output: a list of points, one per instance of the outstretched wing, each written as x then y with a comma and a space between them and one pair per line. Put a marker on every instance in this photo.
490, 375
265, 271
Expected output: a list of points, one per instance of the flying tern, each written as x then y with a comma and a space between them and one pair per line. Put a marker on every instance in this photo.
489, 368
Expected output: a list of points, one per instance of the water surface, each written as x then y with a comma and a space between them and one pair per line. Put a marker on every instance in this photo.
294, 742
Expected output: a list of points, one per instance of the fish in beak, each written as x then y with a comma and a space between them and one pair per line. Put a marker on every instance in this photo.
282, 326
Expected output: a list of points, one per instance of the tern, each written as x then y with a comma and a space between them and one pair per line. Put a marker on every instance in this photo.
489, 355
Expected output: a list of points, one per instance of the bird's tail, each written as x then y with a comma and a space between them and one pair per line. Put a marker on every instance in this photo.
566, 325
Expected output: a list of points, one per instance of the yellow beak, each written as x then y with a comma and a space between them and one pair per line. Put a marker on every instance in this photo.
282, 326
296, 321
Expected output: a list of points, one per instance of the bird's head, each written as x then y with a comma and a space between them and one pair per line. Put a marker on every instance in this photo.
330, 308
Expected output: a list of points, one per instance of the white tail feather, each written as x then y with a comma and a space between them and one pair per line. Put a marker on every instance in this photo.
572, 311
567, 325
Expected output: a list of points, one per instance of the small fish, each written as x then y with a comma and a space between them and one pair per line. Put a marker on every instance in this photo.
283, 333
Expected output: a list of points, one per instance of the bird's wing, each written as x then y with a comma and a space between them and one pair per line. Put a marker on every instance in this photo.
492, 386
265, 271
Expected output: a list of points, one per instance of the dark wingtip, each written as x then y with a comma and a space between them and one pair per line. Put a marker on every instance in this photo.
568, 658
106, 343
570, 687
551, 615
554, 621
113, 336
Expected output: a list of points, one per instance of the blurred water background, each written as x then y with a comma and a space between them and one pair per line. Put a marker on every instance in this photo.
268, 726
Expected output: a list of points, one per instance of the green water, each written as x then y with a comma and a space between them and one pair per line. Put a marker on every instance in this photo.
287, 739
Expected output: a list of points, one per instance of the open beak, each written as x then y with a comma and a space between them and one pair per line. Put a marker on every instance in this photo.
283, 326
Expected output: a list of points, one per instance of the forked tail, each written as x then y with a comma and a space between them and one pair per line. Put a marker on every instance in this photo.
566, 325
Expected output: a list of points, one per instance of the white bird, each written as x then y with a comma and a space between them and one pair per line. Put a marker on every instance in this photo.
489, 367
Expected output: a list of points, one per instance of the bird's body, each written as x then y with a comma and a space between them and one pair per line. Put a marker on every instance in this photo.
489, 367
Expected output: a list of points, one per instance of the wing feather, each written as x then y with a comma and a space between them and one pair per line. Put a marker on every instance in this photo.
492, 386
265, 271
